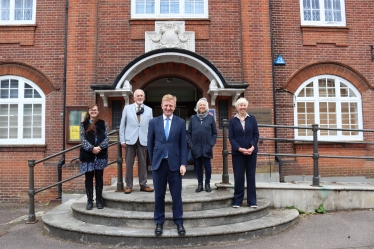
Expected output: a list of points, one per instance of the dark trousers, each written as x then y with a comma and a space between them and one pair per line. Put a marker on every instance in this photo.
199, 162
98, 179
161, 177
244, 166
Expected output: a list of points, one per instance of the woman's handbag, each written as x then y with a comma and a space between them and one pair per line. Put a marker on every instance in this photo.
190, 158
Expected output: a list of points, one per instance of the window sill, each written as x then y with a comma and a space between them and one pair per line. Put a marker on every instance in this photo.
327, 144
21, 34
138, 27
23, 148
313, 35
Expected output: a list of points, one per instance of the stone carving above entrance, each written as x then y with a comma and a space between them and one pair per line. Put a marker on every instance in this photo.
169, 34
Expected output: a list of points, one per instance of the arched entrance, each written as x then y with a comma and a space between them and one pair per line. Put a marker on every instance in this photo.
187, 95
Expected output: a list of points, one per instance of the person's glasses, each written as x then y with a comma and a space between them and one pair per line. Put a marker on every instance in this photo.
94, 110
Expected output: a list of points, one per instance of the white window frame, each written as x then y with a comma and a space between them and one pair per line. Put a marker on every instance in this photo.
12, 21
338, 100
21, 101
322, 22
157, 13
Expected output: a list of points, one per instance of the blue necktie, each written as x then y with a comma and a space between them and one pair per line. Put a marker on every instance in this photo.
166, 130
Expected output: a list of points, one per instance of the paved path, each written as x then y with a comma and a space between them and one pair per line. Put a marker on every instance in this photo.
349, 229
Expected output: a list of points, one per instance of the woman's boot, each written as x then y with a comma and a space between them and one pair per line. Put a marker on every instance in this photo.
207, 187
99, 200
89, 193
199, 187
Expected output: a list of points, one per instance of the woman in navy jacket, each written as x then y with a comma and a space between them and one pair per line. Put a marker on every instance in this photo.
243, 136
201, 137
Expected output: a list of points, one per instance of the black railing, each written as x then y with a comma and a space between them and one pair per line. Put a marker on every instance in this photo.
31, 163
316, 156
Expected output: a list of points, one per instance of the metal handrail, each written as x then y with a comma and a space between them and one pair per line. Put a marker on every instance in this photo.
31, 163
315, 141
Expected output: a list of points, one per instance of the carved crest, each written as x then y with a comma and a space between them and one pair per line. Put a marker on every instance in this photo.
169, 35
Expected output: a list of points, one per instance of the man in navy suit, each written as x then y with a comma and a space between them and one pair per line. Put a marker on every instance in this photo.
167, 149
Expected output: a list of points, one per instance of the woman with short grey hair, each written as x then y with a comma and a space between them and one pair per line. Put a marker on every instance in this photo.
201, 137
244, 136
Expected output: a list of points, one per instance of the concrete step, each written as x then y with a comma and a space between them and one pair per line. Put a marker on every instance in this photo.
192, 219
192, 201
61, 223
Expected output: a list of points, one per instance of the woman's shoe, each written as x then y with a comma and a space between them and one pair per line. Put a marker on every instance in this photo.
199, 187
207, 187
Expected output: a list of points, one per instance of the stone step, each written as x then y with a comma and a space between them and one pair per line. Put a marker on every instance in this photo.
192, 219
59, 222
192, 201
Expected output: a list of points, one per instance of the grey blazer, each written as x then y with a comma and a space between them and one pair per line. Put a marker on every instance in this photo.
130, 129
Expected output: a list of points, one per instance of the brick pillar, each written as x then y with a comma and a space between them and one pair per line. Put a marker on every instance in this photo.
81, 53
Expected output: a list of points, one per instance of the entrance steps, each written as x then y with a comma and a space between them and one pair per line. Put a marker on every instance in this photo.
127, 220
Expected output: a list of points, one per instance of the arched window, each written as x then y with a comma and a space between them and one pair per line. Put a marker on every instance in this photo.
331, 102
22, 111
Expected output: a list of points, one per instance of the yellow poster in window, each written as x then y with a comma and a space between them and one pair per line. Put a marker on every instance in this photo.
74, 132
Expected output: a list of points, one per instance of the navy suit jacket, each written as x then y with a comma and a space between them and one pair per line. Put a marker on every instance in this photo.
240, 138
176, 143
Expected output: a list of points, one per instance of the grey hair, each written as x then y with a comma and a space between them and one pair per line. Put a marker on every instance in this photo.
198, 103
139, 90
241, 101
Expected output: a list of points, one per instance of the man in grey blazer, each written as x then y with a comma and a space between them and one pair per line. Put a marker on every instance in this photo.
133, 136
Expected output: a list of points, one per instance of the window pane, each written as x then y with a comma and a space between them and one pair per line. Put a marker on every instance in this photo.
3, 110
37, 132
37, 109
327, 116
4, 93
5, 84
13, 93
3, 133
27, 109
27, 121
305, 115
4, 121
13, 83
26, 132
13, 132
36, 94
194, 6
145, 7
5, 9
28, 93
37, 121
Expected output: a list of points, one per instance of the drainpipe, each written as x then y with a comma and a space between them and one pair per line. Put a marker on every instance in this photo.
62, 160
277, 158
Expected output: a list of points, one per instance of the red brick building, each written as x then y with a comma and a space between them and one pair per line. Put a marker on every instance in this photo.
58, 57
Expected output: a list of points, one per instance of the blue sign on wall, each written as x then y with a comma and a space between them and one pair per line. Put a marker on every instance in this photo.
279, 61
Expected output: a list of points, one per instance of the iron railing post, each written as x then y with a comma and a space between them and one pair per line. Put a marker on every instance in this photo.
119, 165
225, 173
59, 176
31, 218
315, 155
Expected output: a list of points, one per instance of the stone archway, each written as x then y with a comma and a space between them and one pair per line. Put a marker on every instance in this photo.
327, 67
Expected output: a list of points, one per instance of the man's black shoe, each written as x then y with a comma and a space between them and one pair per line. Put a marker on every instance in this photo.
181, 230
158, 230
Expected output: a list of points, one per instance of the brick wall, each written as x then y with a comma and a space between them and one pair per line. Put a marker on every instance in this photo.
310, 51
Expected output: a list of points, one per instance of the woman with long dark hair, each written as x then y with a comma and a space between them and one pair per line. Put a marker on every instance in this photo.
93, 154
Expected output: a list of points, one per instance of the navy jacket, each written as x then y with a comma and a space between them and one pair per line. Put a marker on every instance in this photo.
176, 143
202, 136
246, 138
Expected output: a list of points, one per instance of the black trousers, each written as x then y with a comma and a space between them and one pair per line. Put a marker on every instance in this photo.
88, 183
